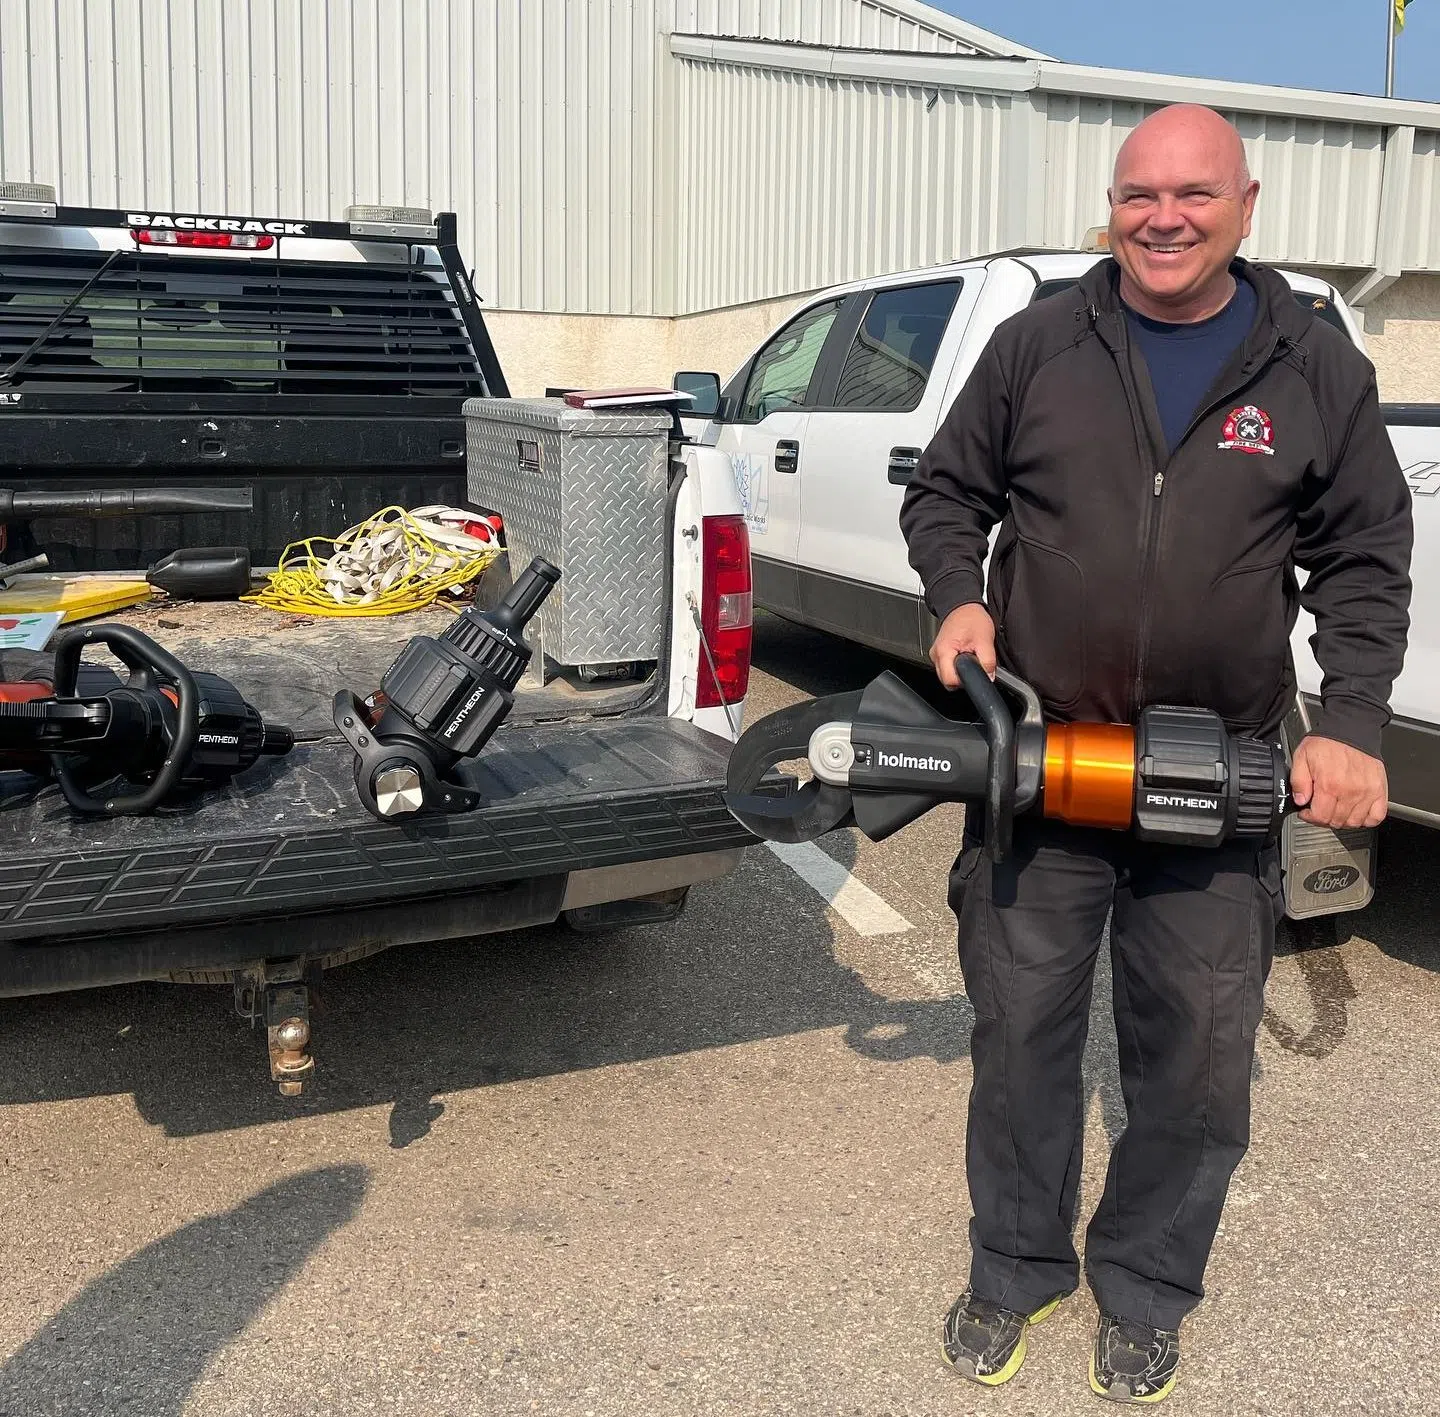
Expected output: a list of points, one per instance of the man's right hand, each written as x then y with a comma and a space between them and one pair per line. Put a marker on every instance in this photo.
968, 629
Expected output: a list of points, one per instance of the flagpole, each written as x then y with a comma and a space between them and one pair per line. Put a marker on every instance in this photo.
1390, 50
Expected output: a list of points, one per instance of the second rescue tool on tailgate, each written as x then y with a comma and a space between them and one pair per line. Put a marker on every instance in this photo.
440, 702
883, 757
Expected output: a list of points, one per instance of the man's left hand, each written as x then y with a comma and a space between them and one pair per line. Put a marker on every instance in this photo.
1337, 785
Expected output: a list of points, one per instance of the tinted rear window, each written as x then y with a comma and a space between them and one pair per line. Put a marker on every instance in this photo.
153, 323
1047, 288
894, 349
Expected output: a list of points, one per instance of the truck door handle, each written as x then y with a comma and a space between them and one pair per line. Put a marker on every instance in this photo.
903, 462
787, 455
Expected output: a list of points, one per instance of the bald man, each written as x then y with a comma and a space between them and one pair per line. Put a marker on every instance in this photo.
1162, 446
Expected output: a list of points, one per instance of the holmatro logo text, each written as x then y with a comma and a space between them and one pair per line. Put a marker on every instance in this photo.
904, 760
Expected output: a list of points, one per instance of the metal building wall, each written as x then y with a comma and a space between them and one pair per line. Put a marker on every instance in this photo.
1422, 206
1319, 181
542, 123
797, 181
860, 24
529, 118
858, 176
592, 170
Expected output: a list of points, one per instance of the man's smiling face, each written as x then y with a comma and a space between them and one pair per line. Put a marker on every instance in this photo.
1181, 204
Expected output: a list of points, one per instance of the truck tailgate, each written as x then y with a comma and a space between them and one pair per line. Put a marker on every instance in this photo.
289, 838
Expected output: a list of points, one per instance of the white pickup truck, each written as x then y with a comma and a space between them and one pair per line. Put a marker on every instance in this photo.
825, 422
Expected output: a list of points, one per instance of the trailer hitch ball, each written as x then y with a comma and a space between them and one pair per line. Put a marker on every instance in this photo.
293, 1034
290, 1065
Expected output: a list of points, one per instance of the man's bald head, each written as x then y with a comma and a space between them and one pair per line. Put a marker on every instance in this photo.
1184, 133
1180, 205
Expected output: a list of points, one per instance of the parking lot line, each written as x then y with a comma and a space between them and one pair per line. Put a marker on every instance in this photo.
859, 906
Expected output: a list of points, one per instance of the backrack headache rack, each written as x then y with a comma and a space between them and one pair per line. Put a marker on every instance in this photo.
226, 305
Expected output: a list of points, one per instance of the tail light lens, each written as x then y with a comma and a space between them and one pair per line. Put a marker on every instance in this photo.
725, 611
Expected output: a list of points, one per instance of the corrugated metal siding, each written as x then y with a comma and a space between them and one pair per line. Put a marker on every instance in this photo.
1319, 181
529, 118
859, 24
542, 123
1422, 207
1319, 189
797, 181
594, 172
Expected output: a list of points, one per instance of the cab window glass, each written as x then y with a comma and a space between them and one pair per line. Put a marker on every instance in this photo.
889, 363
780, 377
1047, 288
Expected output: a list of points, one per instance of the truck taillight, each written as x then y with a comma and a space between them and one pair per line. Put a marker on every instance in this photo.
211, 240
725, 611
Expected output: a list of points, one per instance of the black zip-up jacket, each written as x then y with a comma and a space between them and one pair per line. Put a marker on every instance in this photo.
1122, 576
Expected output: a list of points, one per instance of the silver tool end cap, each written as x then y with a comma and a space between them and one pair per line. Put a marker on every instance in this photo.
398, 790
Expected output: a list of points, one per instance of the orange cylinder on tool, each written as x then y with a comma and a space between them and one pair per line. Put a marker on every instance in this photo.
1090, 774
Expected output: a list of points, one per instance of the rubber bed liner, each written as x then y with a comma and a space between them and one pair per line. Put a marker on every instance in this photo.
289, 836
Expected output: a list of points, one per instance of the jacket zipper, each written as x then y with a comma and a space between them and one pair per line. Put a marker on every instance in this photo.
1249, 372
1120, 352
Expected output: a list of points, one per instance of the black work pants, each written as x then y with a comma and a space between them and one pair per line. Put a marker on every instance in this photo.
1191, 937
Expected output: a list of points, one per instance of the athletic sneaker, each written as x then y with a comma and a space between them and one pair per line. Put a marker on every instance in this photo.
986, 1342
1133, 1362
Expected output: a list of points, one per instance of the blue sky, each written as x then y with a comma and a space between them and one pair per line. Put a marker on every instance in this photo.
1321, 44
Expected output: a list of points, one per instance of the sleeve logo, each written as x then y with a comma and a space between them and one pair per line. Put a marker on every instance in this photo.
1247, 430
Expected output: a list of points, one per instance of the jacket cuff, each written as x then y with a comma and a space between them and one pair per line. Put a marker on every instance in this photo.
952, 590
1351, 721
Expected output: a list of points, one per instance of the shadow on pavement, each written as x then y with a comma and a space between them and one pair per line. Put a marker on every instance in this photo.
1399, 921
752, 958
138, 1338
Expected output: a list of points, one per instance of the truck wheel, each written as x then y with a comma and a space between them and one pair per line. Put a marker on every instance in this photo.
654, 909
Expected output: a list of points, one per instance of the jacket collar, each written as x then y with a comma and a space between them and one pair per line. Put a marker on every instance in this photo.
1278, 318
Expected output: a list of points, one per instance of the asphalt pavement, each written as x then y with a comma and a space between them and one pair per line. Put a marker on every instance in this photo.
714, 1167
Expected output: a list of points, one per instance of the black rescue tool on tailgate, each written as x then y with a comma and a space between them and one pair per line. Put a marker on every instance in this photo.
441, 701
163, 729
885, 757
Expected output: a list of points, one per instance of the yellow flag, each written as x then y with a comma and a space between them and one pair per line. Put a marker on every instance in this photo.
1400, 15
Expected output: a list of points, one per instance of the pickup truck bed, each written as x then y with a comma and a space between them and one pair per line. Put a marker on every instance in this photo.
582, 781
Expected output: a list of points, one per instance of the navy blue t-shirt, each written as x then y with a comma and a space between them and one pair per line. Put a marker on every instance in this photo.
1185, 360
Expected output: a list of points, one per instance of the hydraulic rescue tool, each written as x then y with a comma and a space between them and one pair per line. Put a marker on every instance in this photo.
883, 757
439, 702
163, 728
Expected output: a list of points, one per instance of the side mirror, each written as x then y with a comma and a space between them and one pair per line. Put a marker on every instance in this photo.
704, 391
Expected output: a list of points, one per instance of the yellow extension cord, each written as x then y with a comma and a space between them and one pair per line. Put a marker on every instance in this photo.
387, 565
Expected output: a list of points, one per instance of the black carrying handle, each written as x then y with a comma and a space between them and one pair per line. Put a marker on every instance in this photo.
1000, 734
149, 666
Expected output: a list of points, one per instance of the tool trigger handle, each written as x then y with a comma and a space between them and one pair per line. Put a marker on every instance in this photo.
1000, 735
149, 666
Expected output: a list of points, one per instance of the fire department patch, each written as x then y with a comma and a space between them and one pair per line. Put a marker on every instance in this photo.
1248, 430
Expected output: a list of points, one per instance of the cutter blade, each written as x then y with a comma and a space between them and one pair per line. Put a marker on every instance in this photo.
815, 807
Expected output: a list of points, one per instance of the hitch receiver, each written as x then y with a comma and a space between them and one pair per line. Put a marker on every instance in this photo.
276, 991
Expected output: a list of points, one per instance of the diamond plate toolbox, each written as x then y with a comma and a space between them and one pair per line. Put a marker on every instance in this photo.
586, 490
